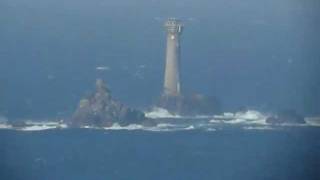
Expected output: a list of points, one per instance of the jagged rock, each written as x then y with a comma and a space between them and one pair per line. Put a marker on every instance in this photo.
287, 116
101, 110
195, 104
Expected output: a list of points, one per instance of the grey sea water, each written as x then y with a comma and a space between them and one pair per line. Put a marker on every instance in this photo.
231, 153
250, 54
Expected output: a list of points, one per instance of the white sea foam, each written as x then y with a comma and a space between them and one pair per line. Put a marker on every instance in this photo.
116, 126
248, 117
157, 112
235, 121
313, 121
258, 128
189, 127
226, 115
250, 120
5, 126
165, 125
35, 125
36, 128
102, 68
162, 127
44, 123
170, 127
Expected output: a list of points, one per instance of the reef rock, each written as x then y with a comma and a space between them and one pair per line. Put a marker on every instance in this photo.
287, 116
101, 110
195, 104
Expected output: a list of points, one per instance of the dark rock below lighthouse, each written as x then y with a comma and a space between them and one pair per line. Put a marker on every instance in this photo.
101, 110
190, 105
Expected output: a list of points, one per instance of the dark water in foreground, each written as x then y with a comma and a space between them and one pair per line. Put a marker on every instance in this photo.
99, 154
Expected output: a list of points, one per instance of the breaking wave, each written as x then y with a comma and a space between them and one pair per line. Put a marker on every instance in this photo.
161, 113
249, 120
158, 112
313, 121
29, 125
248, 117
258, 128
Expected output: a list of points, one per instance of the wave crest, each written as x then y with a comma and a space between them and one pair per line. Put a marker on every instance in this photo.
249, 120
158, 112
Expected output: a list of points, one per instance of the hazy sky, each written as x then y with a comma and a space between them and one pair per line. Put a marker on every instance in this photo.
259, 54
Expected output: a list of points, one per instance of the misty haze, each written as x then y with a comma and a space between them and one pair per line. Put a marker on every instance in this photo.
180, 89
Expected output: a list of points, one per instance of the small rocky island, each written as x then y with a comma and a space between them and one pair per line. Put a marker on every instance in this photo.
101, 110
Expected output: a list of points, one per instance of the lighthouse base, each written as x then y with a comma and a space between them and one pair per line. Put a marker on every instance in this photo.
195, 104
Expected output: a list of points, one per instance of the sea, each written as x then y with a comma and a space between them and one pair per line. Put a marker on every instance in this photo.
249, 54
231, 146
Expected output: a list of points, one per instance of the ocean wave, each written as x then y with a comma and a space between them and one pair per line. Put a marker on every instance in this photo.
313, 121
160, 113
249, 120
5, 126
248, 117
36, 128
259, 128
161, 127
157, 113
171, 127
116, 126
251, 115
158, 128
30, 125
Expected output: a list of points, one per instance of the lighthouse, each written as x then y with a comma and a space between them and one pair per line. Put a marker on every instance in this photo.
172, 86
172, 99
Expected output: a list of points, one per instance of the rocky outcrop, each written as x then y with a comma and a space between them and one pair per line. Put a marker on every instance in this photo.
195, 104
101, 110
287, 116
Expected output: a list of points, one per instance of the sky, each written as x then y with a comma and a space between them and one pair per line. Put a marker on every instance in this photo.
257, 54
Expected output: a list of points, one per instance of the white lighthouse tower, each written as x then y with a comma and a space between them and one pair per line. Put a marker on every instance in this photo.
172, 85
